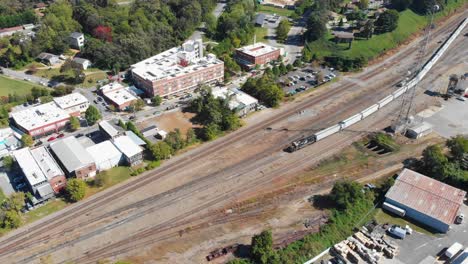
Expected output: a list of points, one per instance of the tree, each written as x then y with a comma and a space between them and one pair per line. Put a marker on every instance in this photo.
239, 261
424, 6
231, 122
15, 202
282, 30
74, 123
316, 28
161, 150
210, 131
458, 147
174, 140
8, 162
368, 29
345, 193
27, 140
190, 136
387, 21
122, 124
102, 179
282, 68
92, 115
157, 100
137, 105
433, 161
12, 219
363, 4
265, 89
262, 247
76, 189
401, 5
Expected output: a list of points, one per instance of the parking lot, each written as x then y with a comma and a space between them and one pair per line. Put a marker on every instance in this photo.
451, 119
305, 78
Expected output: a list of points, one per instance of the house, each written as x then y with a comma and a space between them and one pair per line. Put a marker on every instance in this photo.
426, 200
81, 63
260, 20
54, 174
105, 155
5, 32
74, 104
74, 158
37, 181
133, 154
76, 40
48, 58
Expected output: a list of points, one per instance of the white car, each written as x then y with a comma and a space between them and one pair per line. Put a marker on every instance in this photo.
461, 98
460, 218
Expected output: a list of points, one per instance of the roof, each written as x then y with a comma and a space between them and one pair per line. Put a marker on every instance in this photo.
421, 127
71, 153
28, 165
17, 28
257, 49
238, 99
39, 116
136, 139
108, 128
428, 196
46, 162
47, 56
81, 60
70, 100
45, 190
260, 19
166, 65
343, 35
103, 151
118, 94
126, 145
76, 35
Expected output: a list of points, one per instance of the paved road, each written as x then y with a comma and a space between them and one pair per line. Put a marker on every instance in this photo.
219, 9
185, 196
23, 76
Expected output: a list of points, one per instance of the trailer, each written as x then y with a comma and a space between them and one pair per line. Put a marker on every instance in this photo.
394, 209
327, 132
385, 101
398, 93
453, 250
351, 121
369, 111
397, 231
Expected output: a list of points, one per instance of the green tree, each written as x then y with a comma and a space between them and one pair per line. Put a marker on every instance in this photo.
264, 89
282, 68
458, 146
262, 247
282, 30
122, 124
424, 6
137, 105
190, 136
102, 179
316, 28
240, 261
76, 189
210, 132
433, 160
231, 122
14, 202
8, 162
161, 150
174, 140
92, 115
401, 5
345, 193
12, 219
387, 21
27, 140
363, 4
157, 100
74, 123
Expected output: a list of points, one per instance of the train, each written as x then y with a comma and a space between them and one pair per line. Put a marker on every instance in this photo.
305, 141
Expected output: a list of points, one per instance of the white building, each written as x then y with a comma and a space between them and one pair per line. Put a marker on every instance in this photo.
118, 95
77, 40
133, 153
239, 101
74, 103
177, 69
105, 155
41, 120
81, 63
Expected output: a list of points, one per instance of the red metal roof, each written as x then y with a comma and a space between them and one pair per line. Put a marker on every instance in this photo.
426, 195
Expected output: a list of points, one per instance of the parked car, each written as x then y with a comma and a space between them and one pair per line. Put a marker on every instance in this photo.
51, 139
60, 136
79, 135
461, 98
99, 98
459, 218
20, 186
409, 230
397, 231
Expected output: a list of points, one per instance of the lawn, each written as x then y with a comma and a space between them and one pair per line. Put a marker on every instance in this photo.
48, 73
9, 86
47, 209
275, 10
383, 217
408, 24
261, 34
116, 175
92, 76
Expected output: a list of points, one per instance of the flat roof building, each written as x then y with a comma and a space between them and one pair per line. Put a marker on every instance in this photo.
74, 103
41, 120
35, 177
132, 152
426, 200
52, 171
75, 160
105, 155
108, 129
118, 95
239, 101
257, 54
177, 69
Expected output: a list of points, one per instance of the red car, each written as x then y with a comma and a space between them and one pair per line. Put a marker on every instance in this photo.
60, 136
51, 139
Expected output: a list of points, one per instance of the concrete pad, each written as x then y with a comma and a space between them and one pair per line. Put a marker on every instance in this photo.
5, 184
452, 119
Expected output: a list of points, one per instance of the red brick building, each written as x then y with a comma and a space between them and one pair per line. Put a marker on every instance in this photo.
256, 54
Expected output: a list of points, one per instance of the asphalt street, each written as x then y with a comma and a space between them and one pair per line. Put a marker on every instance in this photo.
23, 76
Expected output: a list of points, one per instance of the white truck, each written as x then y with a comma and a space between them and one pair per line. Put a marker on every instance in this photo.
453, 250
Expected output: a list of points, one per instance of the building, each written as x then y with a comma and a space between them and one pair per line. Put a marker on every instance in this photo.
105, 155
178, 69
6, 32
260, 20
419, 130
49, 167
48, 58
75, 160
37, 181
108, 129
133, 153
428, 201
118, 95
256, 54
239, 101
9, 141
74, 104
76, 40
41, 120
135, 138
81, 63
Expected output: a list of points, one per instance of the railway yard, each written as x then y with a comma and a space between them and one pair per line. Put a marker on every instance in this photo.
199, 200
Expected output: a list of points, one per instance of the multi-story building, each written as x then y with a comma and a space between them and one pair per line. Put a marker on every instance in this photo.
74, 158
44, 119
178, 69
77, 40
74, 103
256, 54
49, 167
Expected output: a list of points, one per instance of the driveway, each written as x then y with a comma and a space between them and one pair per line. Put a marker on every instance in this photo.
23, 76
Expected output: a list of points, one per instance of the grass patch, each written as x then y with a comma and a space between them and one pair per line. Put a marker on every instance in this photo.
275, 10
261, 34
48, 73
92, 76
382, 217
47, 209
10, 86
115, 175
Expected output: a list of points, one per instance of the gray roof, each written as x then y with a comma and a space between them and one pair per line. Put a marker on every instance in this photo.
108, 128
260, 19
71, 154
80, 60
45, 190
47, 56
135, 138
76, 35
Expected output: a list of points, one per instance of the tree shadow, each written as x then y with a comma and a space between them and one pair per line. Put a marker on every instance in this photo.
321, 201
243, 251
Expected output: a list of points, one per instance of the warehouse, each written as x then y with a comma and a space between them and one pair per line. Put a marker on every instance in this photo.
50, 168
76, 161
74, 103
133, 153
105, 155
428, 201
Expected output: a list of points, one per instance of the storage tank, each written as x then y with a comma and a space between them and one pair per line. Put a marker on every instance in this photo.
393, 209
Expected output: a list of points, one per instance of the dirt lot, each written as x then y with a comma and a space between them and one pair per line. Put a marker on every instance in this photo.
170, 121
